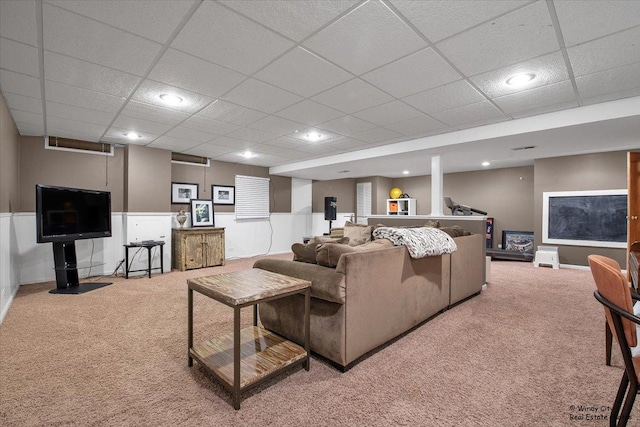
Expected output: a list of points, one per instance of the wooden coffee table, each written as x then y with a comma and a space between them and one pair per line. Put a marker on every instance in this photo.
247, 357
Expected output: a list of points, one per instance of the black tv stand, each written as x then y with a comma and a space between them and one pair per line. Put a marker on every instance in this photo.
66, 267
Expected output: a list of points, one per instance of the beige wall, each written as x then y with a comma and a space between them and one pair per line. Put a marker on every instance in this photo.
380, 187
147, 179
68, 169
9, 161
602, 171
223, 173
343, 189
417, 187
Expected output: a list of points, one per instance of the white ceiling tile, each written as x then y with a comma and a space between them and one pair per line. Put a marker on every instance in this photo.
545, 109
325, 137
232, 113
276, 125
440, 19
18, 21
352, 96
294, 19
154, 113
377, 135
208, 125
543, 96
86, 39
611, 96
253, 135
182, 70
75, 125
548, 69
365, 38
80, 133
160, 17
65, 94
347, 125
140, 125
73, 112
190, 134
309, 113
74, 72
26, 117
445, 97
149, 92
236, 144
222, 36
19, 57
208, 150
417, 72
391, 112
417, 126
288, 142
19, 84
28, 129
171, 143
472, 113
118, 135
266, 149
582, 21
303, 73
609, 81
608, 52
515, 37
23, 103
260, 96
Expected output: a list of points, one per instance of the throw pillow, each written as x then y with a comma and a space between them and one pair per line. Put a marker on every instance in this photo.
434, 223
304, 253
357, 233
455, 231
328, 254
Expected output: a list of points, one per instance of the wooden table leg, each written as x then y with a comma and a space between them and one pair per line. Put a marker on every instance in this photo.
190, 324
608, 341
236, 358
307, 326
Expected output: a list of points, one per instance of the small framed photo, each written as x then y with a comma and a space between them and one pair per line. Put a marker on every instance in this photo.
202, 213
183, 192
518, 241
223, 194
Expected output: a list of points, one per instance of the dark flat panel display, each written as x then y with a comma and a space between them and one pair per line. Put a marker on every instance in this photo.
597, 218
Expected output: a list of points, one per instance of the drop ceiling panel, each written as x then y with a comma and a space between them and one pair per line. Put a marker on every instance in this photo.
605, 53
170, 143
185, 71
205, 124
251, 135
93, 129
415, 73
73, 112
26, 117
295, 20
140, 125
233, 143
543, 110
208, 150
309, 113
422, 125
65, 94
149, 92
260, 96
543, 96
582, 21
276, 125
481, 112
232, 113
520, 35
23, 103
347, 125
20, 84
266, 149
289, 143
352, 96
303, 73
190, 134
74, 72
222, 36
28, 129
19, 57
86, 39
378, 134
117, 135
153, 113
445, 97
160, 17
18, 21
367, 37
440, 19
391, 112
609, 81
547, 69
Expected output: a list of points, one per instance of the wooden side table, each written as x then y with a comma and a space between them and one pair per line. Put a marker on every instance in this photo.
247, 357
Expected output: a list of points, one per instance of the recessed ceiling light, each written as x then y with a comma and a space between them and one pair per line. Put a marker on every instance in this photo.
485, 164
405, 172
170, 99
313, 136
520, 79
247, 154
132, 135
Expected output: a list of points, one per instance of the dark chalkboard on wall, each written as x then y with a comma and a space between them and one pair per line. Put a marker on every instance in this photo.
586, 218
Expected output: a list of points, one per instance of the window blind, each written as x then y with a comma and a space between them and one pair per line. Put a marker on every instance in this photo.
363, 203
252, 197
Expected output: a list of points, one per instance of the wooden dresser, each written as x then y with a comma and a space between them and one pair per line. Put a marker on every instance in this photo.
197, 247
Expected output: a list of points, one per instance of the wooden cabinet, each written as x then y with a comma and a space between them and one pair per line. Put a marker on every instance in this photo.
197, 247
401, 206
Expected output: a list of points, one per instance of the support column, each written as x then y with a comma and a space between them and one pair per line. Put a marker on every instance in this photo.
437, 198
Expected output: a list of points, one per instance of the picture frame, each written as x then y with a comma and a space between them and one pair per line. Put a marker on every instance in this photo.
202, 213
223, 194
518, 241
183, 192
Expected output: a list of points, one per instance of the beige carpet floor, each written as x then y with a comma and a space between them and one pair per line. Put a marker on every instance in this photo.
528, 351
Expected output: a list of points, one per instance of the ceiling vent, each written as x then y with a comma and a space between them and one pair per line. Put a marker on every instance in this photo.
67, 144
189, 159
528, 147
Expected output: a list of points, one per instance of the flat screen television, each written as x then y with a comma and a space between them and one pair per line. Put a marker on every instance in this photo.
68, 214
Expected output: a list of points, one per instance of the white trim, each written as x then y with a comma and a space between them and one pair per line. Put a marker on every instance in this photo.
79, 150
5, 309
206, 165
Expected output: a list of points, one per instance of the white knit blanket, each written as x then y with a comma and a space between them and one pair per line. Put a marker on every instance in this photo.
420, 241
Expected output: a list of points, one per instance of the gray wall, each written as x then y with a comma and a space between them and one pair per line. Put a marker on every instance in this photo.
602, 171
147, 179
417, 187
380, 187
343, 189
9, 161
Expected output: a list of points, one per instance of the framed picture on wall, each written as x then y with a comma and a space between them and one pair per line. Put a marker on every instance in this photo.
202, 213
223, 194
183, 192
518, 241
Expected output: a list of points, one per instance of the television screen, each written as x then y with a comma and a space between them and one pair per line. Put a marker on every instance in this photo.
68, 214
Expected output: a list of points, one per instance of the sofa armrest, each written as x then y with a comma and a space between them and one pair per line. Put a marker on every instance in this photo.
467, 267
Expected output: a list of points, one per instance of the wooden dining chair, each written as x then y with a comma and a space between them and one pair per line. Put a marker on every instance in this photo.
614, 293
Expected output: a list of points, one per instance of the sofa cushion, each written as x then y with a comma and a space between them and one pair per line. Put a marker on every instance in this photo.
455, 231
357, 233
304, 252
328, 254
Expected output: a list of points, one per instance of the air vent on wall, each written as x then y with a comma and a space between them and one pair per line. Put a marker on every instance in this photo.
189, 159
528, 147
67, 144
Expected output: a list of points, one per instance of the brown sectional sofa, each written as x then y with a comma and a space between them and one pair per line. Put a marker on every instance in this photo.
372, 295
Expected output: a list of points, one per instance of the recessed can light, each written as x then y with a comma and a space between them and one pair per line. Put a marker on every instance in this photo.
313, 136
520, 79
170, 99
132, 135
405, 172
485, 164
247, 154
